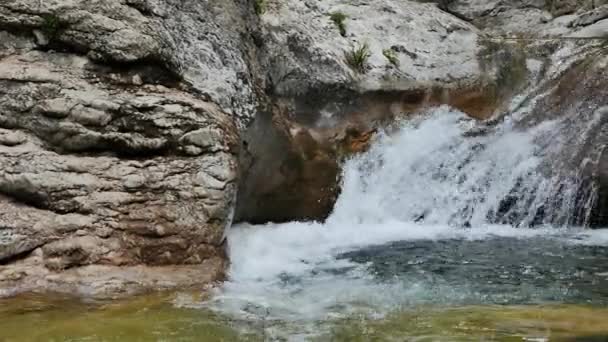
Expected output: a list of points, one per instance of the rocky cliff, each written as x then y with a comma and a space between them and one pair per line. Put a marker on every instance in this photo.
133, 132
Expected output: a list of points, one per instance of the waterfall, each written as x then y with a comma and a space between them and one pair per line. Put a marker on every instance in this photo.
441, 168
433, 184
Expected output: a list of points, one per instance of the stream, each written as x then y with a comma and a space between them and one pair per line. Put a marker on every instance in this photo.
439, 234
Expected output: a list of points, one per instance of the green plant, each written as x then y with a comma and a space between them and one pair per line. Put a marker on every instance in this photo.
259, 6
391, 56
51, 25
357, 57
338, 19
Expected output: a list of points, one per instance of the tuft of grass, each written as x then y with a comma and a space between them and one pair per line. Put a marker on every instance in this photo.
391, 56
51, 25
259, 6
338, 18
357, 57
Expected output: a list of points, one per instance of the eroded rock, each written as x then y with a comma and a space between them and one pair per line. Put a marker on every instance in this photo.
93, 171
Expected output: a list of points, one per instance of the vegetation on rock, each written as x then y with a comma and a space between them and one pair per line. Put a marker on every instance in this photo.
51, 25
391, 56
338, 18
259, 6
357, 57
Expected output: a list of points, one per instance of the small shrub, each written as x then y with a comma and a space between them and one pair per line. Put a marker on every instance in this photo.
357, 57
391, 56
259, 6
338, 18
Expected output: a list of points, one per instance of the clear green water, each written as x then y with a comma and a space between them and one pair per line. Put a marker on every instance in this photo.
148, 318
158, 318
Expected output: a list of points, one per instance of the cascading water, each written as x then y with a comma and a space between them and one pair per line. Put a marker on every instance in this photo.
441, 170
438, 212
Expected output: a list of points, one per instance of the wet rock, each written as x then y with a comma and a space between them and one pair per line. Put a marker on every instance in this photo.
289, 175
573, 93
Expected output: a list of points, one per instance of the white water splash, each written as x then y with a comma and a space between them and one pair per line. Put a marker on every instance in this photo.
430, 172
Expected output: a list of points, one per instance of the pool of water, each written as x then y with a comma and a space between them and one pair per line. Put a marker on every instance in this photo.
525, 286
160, 318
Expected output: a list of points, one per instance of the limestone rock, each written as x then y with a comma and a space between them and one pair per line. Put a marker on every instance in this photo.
93, 171
531, 18
306, 52
206, 42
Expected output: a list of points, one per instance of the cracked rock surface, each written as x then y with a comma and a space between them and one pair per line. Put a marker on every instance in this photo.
102, 164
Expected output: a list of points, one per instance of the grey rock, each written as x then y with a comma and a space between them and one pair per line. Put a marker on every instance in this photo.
206, 42
11, 138
596, 30
521, 17
69, 183
106, 281
591, 17
305, 50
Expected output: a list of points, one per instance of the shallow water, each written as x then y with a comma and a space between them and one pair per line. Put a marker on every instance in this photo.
160, 318
146, 318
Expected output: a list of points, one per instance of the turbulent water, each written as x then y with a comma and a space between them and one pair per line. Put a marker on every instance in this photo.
439, 212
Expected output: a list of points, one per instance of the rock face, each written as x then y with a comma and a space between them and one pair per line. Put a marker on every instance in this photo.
322, 107
575, 92
106, 156
96, 172
207, 43
523, 17
421, 53
307, 51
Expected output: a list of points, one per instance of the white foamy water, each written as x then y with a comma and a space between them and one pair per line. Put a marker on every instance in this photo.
431, 181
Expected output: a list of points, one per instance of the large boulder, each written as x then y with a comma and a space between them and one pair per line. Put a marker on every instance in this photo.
119, 141
96, 169
208, 43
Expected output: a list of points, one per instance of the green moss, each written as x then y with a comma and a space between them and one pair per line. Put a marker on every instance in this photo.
391, 56
357, 57
259, 6
338, 18
51, 25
